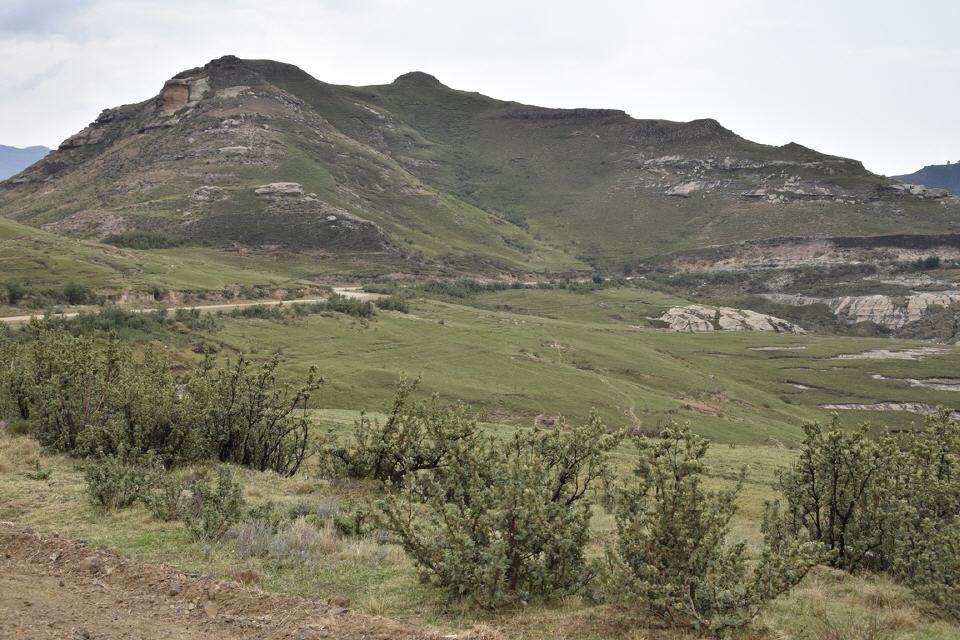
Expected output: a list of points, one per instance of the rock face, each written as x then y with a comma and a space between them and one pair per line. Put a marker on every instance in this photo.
697, 318
920, 408
886, 311
281, 189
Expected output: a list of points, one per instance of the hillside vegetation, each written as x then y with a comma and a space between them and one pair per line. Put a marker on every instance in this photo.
415, 176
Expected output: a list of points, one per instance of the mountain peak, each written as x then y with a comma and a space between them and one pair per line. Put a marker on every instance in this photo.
418, 77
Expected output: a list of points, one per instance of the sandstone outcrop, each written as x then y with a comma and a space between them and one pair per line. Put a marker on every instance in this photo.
697, 318
886, 311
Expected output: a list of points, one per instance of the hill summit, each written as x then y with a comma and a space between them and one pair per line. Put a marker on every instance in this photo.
936, 176
258, 155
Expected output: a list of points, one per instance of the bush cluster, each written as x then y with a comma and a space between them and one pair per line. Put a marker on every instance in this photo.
500, 522
85, 396
504, 521
887, 504
673, 557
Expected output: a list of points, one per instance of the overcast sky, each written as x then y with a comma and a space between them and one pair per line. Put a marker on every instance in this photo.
876, 80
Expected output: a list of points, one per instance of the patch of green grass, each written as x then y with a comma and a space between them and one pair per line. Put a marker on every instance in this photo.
558, 352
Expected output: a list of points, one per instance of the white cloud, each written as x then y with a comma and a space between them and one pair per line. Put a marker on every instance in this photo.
873, 81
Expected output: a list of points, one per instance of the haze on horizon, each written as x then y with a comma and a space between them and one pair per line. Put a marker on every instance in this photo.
872, 81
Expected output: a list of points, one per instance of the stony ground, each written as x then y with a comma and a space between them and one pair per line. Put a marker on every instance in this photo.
56, 588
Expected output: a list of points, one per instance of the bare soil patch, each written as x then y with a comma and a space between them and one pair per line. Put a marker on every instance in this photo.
55, 588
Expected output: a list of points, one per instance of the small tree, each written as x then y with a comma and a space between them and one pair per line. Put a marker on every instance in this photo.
249, 419
212, 510
416, 436
672, 557
834, 495
68, 392
503, 522
890, 503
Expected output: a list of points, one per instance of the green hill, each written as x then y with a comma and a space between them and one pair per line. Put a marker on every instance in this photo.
417, 177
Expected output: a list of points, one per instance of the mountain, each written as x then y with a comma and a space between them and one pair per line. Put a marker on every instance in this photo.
256, 155
937, 176
14, 160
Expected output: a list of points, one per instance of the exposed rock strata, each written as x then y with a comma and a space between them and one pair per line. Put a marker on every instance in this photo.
886, 311
698, 318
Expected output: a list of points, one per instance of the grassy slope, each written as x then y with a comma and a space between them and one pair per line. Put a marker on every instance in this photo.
513, 363
570, 179
565, 353
40, 259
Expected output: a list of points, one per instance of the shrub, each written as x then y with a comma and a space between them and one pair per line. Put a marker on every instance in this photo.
37, 472
890, 504
15, 291
19, 428
414, 437
149, 410
299, 541
250, 419
75, 293
114, 482
142, 240
833, 493
353, 520
503, 522
393, 303
212, 510
672, 557
254, 539
162, 496
67, 386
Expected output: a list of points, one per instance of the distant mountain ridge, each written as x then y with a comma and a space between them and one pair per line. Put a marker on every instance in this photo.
937, 176
13, 160
256, 155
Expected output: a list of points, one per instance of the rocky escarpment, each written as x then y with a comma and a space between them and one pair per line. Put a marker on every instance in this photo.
698, 318
289, 217
887, 311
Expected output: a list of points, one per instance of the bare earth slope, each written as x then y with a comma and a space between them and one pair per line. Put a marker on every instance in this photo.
55, 588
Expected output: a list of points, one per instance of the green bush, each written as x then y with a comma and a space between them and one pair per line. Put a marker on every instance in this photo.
19, 428
673, 558
67, 383
115, 482
415, 436
500, 522
248, 418
393, 303
38, 472
213, 509
834, 493
85, 395
75, 293
162, 496
16, 291
886, 504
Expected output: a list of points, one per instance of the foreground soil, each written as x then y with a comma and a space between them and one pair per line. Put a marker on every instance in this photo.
55, 588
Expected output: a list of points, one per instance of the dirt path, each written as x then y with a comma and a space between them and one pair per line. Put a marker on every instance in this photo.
209, 308
55, 588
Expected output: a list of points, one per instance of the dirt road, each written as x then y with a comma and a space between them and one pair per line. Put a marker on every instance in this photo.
56, 588
348, 292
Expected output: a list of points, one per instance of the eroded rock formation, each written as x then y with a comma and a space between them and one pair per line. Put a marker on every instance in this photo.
696, 318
